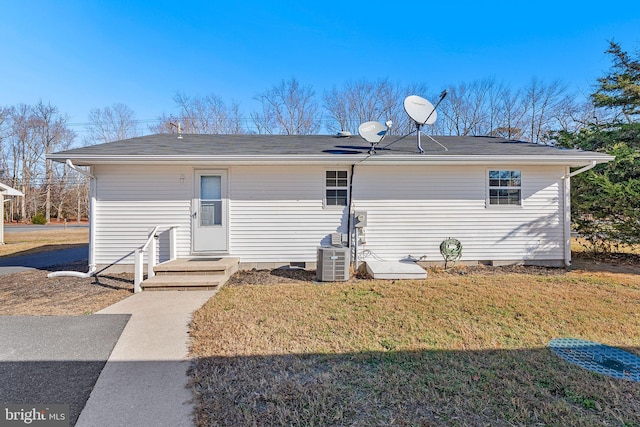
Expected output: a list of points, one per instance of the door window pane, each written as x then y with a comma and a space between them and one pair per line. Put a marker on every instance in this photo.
210, 213
210, 200
211, 187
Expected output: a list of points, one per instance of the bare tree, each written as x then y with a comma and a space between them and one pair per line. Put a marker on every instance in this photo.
23, 154
110, 124
512, 110
486, 107
358, 102
4, 133
362, 101
471, 108
32, 133
203, 115
544, 105
51, 133
287, 108
495, 107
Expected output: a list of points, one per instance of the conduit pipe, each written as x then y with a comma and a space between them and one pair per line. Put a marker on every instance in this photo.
92, 229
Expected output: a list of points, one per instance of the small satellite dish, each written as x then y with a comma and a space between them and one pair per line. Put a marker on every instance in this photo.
420, 110
374, 132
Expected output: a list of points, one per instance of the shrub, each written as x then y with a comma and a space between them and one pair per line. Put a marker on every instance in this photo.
38, 219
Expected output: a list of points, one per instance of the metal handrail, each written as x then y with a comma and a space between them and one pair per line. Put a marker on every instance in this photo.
151, 258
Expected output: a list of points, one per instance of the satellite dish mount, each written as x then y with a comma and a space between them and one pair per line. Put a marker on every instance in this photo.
374, 132
422, 112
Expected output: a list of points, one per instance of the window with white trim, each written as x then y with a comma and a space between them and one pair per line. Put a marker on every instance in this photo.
336, 188
505, 187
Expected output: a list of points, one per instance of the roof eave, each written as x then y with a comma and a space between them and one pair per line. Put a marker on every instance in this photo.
580, 159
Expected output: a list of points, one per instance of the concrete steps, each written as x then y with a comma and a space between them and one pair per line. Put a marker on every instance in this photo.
191, 274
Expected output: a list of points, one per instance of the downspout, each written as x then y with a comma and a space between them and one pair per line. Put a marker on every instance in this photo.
92, 228
567, 208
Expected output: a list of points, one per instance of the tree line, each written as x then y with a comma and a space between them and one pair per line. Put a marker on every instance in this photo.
29, 134
539, 112
535, 112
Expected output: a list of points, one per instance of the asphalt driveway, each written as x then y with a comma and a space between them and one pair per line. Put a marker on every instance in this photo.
16, 264
55, 359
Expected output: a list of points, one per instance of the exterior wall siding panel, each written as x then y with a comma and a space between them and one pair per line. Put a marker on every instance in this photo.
277, 213
131, 200
412, 212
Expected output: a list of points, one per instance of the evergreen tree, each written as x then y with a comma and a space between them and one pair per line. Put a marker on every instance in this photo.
606, 200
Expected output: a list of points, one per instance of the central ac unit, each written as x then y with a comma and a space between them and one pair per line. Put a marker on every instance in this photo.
333, 264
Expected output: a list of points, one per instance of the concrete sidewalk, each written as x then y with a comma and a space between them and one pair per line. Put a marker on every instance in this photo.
144, 380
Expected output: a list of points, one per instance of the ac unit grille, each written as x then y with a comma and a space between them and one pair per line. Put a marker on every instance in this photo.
333, 264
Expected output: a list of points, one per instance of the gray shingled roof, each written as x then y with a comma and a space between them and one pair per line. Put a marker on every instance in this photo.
211, 147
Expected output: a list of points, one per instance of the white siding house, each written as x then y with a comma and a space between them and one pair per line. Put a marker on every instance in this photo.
273, 200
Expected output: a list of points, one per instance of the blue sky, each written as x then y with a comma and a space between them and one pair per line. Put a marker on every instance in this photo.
80, 55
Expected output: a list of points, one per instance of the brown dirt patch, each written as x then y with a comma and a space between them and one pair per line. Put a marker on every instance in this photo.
616, 263
624, 263
296, 275
271, 277
31, 293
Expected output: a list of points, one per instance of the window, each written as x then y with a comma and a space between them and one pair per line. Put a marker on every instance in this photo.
210, 200
336, 188
505, 187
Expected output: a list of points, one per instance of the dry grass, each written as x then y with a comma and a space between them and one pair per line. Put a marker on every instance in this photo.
466, 347
31, 293
31, 242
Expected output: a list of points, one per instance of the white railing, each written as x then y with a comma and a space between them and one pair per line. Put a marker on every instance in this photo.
152, 245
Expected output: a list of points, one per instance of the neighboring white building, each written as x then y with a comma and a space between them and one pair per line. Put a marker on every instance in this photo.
5, 191
272, 200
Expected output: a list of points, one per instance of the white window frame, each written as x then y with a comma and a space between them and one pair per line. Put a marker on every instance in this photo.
326, 187
490, 187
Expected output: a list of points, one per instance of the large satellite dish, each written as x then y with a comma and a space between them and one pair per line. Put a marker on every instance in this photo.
373, 132
420, 110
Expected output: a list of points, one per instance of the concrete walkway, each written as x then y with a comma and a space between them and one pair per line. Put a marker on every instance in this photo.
144, 381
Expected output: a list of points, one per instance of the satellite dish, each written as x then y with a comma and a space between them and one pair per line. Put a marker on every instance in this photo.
420, 110
373, 132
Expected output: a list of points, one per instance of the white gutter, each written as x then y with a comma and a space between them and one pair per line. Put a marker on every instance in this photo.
92, 229
573, 161
567, 208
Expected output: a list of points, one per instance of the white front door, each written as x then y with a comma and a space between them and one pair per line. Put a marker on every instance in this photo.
210, 229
